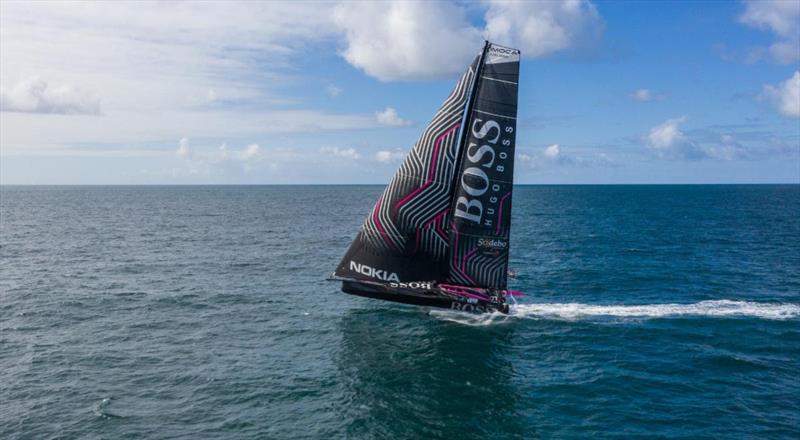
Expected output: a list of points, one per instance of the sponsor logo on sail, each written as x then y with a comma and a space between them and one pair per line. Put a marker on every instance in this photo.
492, 244
482, 161
502, 51
371, 272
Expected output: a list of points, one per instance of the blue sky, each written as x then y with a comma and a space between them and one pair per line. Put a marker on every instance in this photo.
303, 92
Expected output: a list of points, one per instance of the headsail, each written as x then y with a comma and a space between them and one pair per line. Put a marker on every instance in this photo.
405, 237
481, 206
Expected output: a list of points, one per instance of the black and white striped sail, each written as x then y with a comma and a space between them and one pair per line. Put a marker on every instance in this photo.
408, 235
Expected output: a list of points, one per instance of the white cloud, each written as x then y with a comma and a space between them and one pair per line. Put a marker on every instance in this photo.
782, 17
541, 28
250, 152
396, 40
347, 153
667, 134
386, 156
333, 91
552, 151
524, 158
407, 40
184, 151
152, 54
35, 95
785, 96
390, 118
667, 140
555, 156
223, 154
646, 95
641, 95
726, 149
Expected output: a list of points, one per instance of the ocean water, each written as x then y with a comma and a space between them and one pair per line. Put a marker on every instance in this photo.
202, 312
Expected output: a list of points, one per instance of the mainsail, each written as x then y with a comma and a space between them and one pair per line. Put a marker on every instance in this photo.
445, 215
481, 209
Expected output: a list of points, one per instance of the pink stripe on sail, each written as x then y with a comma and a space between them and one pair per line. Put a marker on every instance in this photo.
432, 168
436, 219
466, 257
455, 256
500, 213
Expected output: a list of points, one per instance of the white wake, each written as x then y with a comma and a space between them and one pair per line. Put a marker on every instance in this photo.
575, 311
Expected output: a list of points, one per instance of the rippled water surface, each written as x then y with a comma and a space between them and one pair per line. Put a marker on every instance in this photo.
202, 312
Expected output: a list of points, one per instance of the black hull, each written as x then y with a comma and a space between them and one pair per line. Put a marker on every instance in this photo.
421, 297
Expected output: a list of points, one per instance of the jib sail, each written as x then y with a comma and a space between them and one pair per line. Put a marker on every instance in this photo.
480, 212
406, 235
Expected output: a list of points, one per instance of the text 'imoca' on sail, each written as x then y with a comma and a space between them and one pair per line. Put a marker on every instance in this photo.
439, 234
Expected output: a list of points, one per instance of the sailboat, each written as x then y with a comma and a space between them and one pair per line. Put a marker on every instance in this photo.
439, 234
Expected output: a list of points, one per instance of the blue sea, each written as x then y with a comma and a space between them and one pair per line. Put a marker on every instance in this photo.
203, 312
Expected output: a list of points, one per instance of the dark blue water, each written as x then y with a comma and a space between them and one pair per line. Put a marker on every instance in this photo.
202, 312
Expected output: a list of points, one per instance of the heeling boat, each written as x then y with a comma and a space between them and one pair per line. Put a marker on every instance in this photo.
439, 234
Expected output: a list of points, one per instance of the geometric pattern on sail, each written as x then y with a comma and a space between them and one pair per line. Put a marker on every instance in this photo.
481, 222
410, 217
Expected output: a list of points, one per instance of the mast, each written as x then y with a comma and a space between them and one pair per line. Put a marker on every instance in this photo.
461, 137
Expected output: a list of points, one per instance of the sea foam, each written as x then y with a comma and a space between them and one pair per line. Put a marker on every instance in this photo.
575, 311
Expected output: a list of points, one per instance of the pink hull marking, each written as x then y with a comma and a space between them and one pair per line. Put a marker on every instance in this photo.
432, 169
463, 291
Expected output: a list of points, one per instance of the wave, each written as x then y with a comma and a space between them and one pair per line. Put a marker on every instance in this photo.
574, 311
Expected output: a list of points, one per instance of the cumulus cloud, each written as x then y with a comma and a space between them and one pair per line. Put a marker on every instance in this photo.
35, 95
347, 153
390, 118
541, 28
407, 40
785, 96
666, 135
668, 140
782, 17
552, 151
385, 156
417, 40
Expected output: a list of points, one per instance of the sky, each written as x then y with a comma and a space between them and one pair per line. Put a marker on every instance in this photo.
337, 93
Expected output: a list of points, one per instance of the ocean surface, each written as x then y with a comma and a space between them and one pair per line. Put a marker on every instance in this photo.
203, 312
